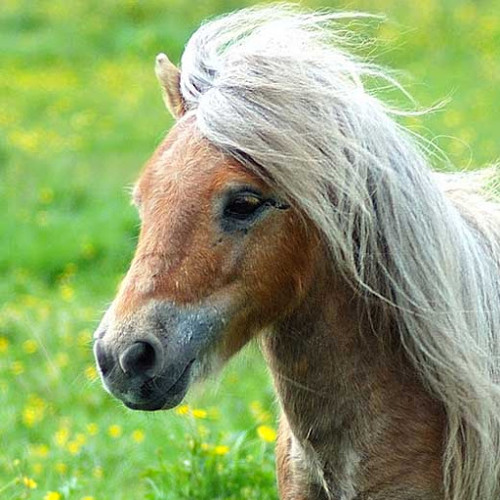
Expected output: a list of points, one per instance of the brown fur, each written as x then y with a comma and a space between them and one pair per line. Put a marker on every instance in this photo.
338, 409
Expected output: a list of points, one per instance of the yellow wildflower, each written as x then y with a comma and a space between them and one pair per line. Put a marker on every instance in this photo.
203, 431
92, 429
41, 450
17, 368
30, 346
87, 498
182, 410
98, 472
213, 413
30, 300
52, 495
34, 411
115, 431
46, 195
256, 406
61, 436
37, 468
25, 140
43, 312
198, 413
4, 344
36, 401
67, 293
61, 468
30, 416
91, 373
74, 447
259, 413
80, 438
221, 449
62, 359
29, 483
266, 433
84, 338
138, 436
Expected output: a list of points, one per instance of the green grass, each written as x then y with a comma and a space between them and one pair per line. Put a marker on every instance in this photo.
80, 113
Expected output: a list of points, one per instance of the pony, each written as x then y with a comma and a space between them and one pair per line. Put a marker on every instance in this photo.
288, 205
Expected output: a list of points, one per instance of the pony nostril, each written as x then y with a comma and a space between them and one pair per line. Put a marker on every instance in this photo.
104, 360
140, 358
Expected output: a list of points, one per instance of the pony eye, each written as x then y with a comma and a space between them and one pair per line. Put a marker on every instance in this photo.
243, 206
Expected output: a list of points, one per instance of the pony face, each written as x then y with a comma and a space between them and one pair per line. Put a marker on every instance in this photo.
221, 256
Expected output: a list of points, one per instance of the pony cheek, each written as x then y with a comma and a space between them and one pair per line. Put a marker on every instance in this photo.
282, 278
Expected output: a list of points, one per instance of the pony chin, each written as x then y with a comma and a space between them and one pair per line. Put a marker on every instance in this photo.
206, 366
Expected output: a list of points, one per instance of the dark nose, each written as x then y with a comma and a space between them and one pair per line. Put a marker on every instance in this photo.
103, 358
141, 358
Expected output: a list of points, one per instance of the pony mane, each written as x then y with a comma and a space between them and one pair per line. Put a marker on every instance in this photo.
275, 89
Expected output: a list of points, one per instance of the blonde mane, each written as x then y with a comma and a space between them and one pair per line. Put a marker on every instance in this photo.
276, 90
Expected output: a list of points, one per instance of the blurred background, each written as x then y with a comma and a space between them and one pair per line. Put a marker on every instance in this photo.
80, 113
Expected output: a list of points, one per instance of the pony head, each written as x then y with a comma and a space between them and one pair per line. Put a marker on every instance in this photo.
221, 256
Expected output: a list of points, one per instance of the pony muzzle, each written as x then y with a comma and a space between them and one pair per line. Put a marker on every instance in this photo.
148, 361
141, 376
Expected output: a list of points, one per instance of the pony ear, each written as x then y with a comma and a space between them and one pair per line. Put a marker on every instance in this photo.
169, 77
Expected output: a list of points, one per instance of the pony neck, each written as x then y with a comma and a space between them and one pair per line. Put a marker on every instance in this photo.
346, 390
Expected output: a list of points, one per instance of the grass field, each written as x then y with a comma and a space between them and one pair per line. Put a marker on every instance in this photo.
80, 113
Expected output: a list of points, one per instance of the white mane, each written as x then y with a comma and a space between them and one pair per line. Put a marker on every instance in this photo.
274, 89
